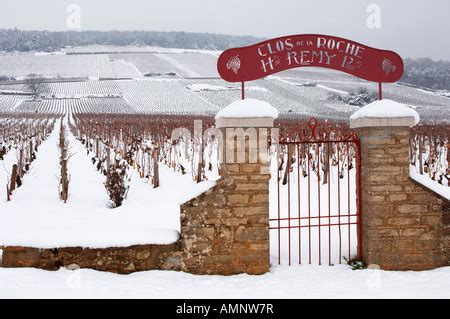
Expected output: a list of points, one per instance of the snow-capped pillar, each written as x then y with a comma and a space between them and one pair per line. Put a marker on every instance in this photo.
226, 230
401, 221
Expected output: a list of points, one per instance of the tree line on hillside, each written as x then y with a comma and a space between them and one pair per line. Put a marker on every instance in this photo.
23, 41
427, 73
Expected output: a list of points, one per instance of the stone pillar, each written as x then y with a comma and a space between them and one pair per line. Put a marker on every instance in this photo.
226, 229
402, 222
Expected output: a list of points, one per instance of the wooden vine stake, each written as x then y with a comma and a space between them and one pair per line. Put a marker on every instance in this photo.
108, 158
31, 151
64, 181
156, 168
64, 193
12, 185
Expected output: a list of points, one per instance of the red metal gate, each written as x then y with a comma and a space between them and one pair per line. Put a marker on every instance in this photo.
317, 217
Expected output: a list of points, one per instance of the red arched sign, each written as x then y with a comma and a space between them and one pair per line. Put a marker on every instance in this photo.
279, 54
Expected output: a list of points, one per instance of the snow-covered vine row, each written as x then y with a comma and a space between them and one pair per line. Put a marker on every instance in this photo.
20, 138
143, 143
430, 152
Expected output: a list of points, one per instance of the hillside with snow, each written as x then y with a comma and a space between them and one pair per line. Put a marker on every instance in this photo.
175, 81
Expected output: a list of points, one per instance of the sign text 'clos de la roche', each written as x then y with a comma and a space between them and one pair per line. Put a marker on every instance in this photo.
275, 55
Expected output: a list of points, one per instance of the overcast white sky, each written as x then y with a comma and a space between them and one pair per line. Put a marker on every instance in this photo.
414, 28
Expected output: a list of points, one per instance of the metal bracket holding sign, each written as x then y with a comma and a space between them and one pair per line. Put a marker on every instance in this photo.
309, 50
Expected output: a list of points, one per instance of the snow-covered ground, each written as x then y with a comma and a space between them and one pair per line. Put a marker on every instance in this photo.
37, 218
282, 282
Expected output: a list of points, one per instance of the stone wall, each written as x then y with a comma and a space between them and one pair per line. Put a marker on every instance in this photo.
123, 260
226, 230
404, 225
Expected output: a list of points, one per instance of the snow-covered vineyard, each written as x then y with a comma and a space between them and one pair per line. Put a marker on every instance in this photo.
147, 216
155, 80
91, 161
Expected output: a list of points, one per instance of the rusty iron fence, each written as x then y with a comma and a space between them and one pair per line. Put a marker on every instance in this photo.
317, 217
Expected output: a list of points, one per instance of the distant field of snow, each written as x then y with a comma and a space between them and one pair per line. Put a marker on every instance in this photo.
50, 65
84, 88
164, 97
66, 66
288, 91
147, 63
62, 105
112, 49
202, 65
101, 49
9, 103
186, 70
202, 87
